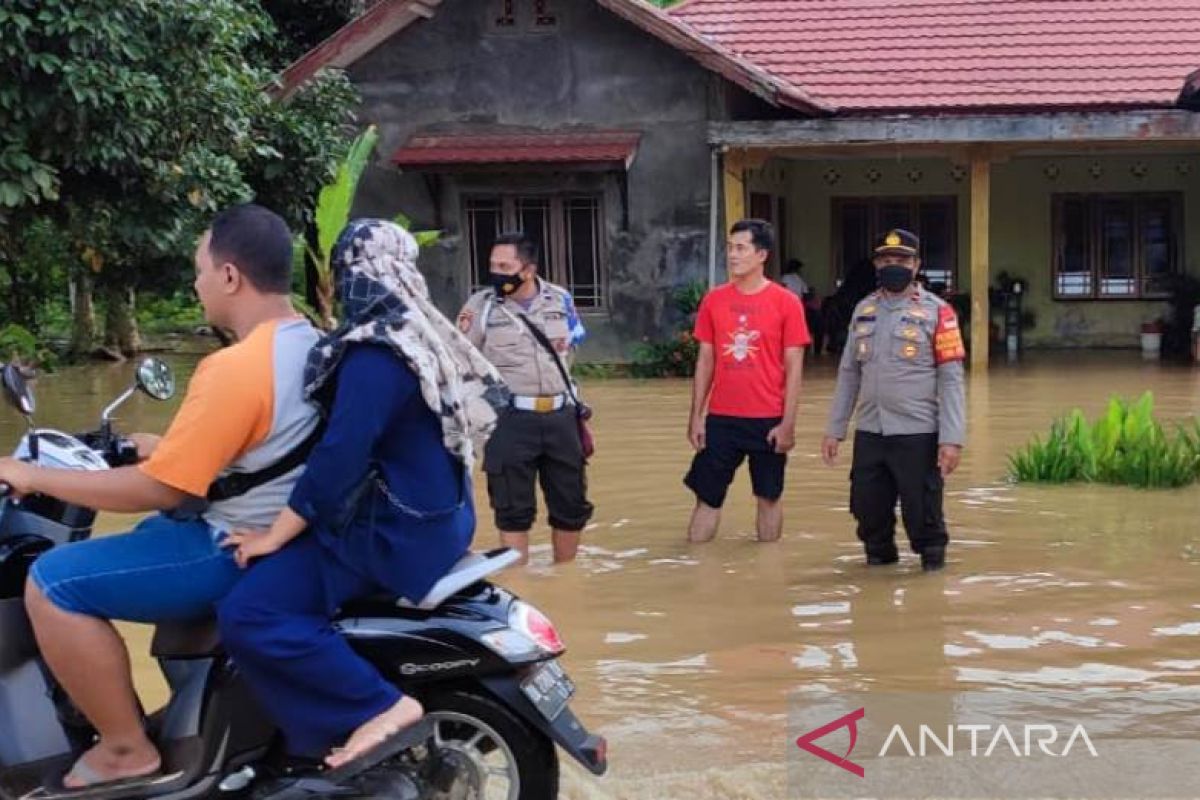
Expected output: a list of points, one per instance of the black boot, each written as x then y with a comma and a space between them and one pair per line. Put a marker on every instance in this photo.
882, 556
933, 558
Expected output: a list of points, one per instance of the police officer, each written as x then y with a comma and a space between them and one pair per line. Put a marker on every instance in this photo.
903, 368
537, 438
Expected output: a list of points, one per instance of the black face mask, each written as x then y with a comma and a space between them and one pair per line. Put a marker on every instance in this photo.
894, 277
504, 285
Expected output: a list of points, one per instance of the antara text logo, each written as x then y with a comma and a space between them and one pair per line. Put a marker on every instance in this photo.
974, 741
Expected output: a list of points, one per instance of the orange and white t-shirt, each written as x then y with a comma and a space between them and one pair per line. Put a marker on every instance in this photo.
244, 410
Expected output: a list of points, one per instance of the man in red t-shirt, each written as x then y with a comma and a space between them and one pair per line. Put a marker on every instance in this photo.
752, 337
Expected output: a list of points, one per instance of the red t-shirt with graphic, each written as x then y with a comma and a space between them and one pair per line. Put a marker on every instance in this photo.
749, 333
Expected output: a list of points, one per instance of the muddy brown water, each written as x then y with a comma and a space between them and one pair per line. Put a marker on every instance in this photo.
686, 656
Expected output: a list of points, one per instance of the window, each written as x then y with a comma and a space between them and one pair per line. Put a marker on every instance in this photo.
523, 16
504, 15
1115, 246
543, 15
568, 230
859, 222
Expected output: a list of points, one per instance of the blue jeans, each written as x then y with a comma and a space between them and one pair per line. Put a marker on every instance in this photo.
163, 570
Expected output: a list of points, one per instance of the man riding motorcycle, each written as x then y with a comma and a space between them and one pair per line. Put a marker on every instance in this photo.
244, 415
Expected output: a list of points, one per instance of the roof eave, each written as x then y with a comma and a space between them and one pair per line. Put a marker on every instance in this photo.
731, 66
353, 41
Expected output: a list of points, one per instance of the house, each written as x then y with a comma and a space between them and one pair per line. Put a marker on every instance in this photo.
1050, 140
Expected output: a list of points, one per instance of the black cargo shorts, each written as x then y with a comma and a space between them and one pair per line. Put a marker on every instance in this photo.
529, 447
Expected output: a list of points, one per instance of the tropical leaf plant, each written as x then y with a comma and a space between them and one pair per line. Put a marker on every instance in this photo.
334, 205
1125, 446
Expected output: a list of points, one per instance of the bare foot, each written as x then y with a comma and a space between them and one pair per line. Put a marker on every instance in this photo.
375, 731
104, 763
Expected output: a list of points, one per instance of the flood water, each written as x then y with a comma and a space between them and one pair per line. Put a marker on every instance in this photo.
686, 655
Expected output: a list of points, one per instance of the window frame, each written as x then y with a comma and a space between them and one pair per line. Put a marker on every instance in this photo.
554, 263
874, 208
1094, 243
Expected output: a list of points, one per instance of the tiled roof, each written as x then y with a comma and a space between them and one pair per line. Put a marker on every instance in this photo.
448, 150
914, 55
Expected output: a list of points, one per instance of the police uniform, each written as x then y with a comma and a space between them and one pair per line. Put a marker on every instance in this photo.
537, 438
903, 368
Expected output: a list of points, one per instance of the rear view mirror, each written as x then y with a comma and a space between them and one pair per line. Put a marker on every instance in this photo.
16, 391
156, 379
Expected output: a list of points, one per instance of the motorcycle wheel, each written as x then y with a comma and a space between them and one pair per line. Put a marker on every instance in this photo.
496, 755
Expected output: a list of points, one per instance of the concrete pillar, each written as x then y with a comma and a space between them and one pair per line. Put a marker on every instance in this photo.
981, 195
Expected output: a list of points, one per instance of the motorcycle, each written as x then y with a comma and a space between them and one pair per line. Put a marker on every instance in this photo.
483, 662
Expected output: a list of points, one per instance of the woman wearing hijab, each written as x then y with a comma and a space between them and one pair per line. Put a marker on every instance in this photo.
384, 504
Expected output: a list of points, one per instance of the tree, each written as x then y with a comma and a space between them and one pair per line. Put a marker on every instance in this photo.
304, 24
130, 123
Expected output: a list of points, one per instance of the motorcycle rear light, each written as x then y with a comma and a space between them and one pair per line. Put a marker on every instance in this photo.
512, 645
537, 626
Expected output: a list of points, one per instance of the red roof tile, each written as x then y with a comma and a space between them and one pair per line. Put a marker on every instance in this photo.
914, 55
446, 150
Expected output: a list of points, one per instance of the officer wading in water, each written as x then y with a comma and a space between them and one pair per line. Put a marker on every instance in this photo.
528, 328
903, 369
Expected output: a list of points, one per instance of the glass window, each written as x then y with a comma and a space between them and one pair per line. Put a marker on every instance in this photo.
568, 230
1115, 246
860, 222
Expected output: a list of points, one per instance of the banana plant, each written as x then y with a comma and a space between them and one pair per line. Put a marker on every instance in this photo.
333, 213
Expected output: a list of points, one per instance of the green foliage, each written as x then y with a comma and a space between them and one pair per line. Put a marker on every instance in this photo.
18, 344
34, 263
334, 205
304, 24
423, 238
1126, 446
676, 356
336, 199
129, 124
179, 313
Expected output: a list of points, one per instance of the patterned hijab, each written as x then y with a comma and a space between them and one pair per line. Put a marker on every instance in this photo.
385, 300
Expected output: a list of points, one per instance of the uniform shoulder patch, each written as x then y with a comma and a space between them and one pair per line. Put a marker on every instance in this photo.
947, 337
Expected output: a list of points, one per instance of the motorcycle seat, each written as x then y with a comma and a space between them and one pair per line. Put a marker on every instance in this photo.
195, 639
200, 638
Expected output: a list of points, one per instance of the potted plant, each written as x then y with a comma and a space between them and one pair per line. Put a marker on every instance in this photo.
1152, 335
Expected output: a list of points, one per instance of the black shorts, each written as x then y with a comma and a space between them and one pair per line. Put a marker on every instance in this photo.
728, 440
528, 448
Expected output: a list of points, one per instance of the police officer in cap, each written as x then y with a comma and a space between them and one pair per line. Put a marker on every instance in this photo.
903, 369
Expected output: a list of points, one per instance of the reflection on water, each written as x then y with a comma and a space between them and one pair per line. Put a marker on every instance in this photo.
686, 656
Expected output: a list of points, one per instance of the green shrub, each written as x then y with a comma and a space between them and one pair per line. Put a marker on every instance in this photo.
674, 357
179, 313
1126, 446
17, 343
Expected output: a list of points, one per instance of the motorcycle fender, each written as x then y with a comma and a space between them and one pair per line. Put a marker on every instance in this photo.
566, 730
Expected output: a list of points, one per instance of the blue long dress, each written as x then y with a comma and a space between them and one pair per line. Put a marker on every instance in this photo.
400, 537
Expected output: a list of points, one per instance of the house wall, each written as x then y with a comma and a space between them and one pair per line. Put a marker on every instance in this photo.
450, 73
1021, 226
